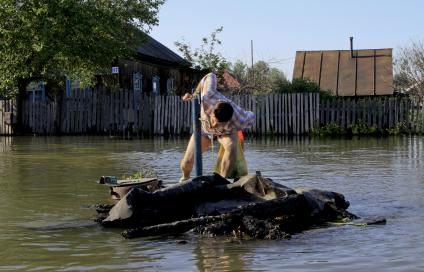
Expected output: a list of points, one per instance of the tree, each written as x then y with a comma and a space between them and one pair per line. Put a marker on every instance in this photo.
239, 70
259, 79
48, 40
409, 69
206, 56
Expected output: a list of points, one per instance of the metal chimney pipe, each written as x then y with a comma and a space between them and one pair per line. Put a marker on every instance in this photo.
351, 47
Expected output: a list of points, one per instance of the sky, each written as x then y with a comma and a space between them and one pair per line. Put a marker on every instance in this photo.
279, 28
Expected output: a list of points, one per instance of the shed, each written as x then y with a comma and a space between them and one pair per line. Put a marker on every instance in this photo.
367, 72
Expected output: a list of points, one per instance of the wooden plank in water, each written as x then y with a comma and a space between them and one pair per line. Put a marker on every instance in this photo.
48, 118
316, 103
143, 113
412, 115
263, 115
97, 95
176, 115
267, 114
306, 112
164, 119
94, 110
280, 114
158, 106
155, 114
79, 111
2, 121
391, 104
72, 113
294, 108
286, 113
289, 113
160, 115
302, 113
407, 112
115, 101
299, 111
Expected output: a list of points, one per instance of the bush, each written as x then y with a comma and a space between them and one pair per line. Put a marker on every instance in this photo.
400, 128
358, 129
299, 85
331, 129
361, 128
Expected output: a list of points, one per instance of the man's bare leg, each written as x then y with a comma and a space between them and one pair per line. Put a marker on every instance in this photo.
188, 160
229, 143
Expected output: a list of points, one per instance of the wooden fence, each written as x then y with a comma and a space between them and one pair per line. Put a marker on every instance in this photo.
7, 115
379, 112
125, 113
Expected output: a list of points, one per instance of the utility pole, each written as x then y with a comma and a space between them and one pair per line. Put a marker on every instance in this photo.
251, 55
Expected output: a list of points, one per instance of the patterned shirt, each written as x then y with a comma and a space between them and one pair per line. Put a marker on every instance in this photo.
210, 97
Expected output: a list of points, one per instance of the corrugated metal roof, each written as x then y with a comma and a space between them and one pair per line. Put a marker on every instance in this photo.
154, 49
368, 72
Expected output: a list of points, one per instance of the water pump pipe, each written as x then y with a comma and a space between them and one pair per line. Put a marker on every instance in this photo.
195, 115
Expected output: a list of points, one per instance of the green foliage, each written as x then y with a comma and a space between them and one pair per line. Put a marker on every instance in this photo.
358, 129
299, 85
144, 173
399, 128
239, 70
46, 40
331, 129
206, 57
259, 79
361, 128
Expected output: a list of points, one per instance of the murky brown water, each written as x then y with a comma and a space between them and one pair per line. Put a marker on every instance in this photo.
47, 186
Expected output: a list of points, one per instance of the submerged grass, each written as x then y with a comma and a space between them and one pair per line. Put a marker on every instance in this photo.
358, 129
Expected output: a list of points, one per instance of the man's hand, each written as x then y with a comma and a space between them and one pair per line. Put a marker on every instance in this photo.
187, 97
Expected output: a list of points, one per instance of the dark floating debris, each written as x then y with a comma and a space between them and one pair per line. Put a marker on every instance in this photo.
253, 206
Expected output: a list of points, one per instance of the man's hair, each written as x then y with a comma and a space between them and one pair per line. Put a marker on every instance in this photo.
223, 112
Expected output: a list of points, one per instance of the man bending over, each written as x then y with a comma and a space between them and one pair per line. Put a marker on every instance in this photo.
222, 119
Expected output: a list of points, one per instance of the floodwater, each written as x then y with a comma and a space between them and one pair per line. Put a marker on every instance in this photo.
47, 188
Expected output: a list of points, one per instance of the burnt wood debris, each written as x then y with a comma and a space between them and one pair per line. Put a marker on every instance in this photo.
253, 206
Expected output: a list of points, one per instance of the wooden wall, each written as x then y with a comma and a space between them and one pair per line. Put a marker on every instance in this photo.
7, 116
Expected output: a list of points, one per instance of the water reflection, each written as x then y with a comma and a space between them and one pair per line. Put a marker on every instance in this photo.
48, 184
215, 255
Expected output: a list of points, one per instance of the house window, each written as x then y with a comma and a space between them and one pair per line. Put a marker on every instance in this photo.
71, 86
170, 83
68, 87
138, 83
156, 85
36, 91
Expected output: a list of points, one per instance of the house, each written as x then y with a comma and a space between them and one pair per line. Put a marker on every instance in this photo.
156, 70
229, 84
348, 72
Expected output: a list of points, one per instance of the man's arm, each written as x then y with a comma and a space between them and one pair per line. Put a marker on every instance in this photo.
205, 87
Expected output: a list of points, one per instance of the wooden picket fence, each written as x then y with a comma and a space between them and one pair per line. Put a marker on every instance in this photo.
125, 113
379, 112
7, 115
